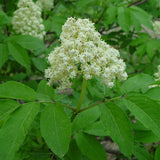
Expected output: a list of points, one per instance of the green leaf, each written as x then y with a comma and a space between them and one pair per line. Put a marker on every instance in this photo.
141, 153
83, 3
140, 16
56, 128
152, 45
146, 111
16, 90
4, 19
19, 54
90, 146
13, 132
153, 93
118, 127
45, 92
85, 119
141, 50
138, 83
55, 23
7, 106
111, 16
142, 134
141, 39
146, 136
96, 128
157, 153
28, 42
124, 18
3, 54
40, 63
73, 152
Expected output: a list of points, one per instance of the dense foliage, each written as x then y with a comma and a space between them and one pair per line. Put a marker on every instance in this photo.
88, 101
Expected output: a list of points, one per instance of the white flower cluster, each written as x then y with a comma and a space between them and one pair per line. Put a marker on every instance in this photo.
27, 19
45, 5
156, 27
82, 51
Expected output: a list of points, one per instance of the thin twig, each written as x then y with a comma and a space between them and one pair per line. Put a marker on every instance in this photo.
137, 3
55, 102
99, 102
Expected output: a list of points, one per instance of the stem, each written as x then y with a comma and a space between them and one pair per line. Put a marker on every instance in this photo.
55, 102
99, 102
82, 95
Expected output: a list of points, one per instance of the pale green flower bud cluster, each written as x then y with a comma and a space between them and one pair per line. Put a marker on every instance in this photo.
27, 19
156, 27
45, 5
83, 52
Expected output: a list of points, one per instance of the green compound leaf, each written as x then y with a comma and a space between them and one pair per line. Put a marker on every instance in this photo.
7, 106
19, 54
3, 54
56, 128
13, 132
118, 126
16, 90
146, 111
90, 146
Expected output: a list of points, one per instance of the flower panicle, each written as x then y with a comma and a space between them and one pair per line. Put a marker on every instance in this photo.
83, 52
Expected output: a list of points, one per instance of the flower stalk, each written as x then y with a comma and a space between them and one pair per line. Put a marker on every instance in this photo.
82, 95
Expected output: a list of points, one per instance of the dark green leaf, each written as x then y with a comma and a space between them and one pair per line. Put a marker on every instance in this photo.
90, 146
13, 132
16, 90
56, 128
